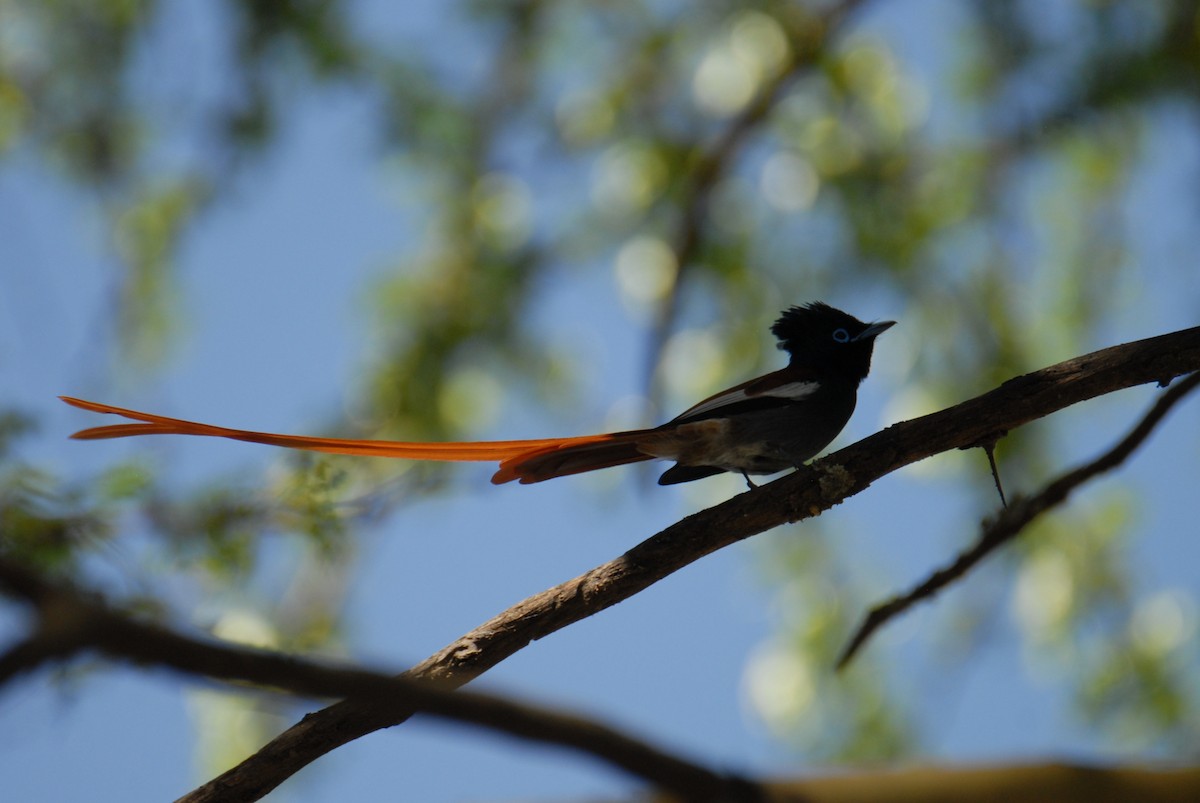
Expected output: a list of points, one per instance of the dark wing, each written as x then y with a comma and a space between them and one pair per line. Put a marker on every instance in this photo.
783, 387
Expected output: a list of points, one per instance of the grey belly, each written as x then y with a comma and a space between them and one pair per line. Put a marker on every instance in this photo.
762, 442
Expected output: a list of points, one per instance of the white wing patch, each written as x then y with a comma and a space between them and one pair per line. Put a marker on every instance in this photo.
793, 391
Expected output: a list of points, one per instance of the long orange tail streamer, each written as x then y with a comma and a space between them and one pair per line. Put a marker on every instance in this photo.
525, 460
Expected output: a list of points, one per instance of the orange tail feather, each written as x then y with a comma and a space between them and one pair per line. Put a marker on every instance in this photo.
573, 456
527, 460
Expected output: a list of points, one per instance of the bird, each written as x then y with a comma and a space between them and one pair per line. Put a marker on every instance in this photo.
762, 426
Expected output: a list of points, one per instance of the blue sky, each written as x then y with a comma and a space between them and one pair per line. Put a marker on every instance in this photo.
272, 298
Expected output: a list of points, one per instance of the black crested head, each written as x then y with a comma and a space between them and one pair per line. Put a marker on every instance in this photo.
828, 341
802, 328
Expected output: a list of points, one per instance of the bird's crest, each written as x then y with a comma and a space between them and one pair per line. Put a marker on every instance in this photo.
800, 327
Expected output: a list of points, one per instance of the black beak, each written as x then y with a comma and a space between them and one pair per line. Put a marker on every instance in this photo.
874, 330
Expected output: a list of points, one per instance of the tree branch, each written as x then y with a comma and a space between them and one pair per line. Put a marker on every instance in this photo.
805, 493
1028, 783
25, 656
1013, 520
75, 622
708, 164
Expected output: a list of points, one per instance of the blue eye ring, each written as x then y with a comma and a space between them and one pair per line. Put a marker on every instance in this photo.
841, 335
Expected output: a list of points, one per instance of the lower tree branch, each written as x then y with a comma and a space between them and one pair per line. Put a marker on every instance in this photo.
1013, 520
93, 625
805, 493
1028, 783
26, 656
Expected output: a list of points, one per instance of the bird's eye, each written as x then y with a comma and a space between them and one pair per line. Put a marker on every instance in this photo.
841, 335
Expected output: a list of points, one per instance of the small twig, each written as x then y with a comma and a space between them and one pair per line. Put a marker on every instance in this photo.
93, 625
1014, 519
990, 450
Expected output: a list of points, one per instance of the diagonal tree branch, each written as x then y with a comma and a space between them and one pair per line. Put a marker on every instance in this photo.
803, 494
72, 622
1013, 520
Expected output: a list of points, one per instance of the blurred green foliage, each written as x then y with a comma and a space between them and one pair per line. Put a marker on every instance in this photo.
724, 157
